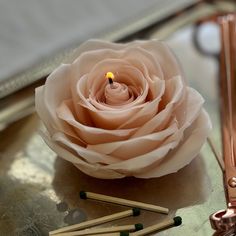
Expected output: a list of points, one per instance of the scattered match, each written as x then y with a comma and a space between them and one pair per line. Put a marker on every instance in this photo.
123, 202
114, 229
176, 221
98, 221
113, 234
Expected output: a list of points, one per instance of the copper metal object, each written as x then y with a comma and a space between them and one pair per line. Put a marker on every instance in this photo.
225, 220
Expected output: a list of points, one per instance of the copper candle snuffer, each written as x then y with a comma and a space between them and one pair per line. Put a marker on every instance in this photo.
224, 221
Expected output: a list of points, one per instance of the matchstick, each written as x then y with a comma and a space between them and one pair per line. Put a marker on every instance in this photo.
112, 234
98, 221
124, 202
123, 228
167, 223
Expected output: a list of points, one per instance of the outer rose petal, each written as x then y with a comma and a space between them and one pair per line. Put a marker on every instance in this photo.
172, 162
185, 152
165, 57
158, 49
89, 169
89, 156
48, 98
50, 95
96, 44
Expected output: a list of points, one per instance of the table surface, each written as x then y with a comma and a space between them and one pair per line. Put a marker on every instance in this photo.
33, 180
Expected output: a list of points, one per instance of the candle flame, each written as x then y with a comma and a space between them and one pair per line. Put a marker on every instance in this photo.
109, 75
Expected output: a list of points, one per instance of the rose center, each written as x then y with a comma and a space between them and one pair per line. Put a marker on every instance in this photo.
117, 94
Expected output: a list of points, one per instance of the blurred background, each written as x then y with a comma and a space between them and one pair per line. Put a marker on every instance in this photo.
35, 37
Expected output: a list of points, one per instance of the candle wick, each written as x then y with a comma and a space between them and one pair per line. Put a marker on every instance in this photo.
110, 81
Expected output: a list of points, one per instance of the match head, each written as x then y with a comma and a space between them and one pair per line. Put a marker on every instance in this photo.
177, 221
83, 195
124, 234
136, 211
138, 227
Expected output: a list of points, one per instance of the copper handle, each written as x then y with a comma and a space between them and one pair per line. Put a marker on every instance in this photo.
228, 104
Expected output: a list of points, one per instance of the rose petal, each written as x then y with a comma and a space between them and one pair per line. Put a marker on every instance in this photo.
90, 135
185, 152
159, 121
166, 58
88, 155
130, 148
146, 113
47, 99
89, 169
42, 112
92, 46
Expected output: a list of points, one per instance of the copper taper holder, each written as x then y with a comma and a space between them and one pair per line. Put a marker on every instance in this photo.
225, 220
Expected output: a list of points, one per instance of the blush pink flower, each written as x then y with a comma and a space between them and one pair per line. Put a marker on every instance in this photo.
149, 123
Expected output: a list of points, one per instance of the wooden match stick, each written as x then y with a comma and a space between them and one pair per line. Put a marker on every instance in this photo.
112, 234
124, 202
98, 221
167, 223
123, 228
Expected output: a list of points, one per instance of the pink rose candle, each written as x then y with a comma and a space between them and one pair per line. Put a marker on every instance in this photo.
123, 110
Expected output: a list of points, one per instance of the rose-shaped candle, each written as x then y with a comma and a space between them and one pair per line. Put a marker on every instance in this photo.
123, 110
